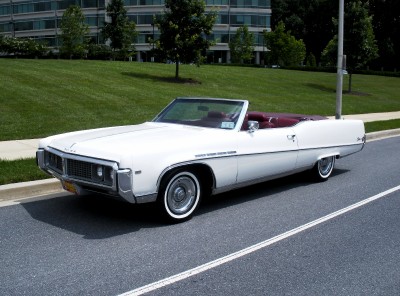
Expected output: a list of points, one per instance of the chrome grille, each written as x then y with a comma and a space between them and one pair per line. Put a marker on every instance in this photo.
55, 162
79, 169
76, 168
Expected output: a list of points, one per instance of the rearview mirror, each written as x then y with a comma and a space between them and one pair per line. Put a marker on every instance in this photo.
253, 126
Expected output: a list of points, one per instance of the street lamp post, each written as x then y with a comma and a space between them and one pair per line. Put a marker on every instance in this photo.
339, 80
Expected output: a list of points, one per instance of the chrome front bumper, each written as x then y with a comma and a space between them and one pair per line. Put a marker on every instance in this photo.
119, 183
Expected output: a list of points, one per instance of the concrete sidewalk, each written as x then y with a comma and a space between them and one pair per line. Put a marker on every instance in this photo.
12, 150
372, 116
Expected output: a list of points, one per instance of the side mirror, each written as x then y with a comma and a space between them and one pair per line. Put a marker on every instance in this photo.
253, 126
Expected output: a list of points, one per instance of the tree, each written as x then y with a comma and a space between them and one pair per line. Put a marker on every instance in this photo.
359, 44
311, 60
120, 30
283, 48
22, 47
183, 28
387, 31
98, 51
241, 45
307, 20
74, 31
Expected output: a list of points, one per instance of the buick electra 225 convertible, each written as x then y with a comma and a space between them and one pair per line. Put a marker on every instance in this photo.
197, 147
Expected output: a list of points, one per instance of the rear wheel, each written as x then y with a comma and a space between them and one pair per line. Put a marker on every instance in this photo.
323, 168
180, 196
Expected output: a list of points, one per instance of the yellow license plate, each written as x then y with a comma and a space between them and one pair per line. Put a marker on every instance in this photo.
70, 187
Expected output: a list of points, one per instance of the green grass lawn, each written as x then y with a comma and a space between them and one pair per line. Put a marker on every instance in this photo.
44, 97
20, 171
382, 125
39, 98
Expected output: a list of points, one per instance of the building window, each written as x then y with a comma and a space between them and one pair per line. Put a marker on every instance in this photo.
5, 9
151, 2
42, 6
133, 18
33, 7
22, 8
251, 20
216, 2
130, 2
43, 24
89, 3
23, 26
66, 3
5, 27
260, 39
250, 3
222, 19
91, 21
219, 36
144, 19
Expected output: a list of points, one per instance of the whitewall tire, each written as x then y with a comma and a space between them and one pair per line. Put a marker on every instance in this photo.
323, 168
180, 196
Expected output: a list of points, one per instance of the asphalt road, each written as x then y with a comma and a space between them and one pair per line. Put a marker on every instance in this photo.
94, 246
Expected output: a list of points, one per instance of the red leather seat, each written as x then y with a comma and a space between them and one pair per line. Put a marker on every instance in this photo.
262, 118
285, 121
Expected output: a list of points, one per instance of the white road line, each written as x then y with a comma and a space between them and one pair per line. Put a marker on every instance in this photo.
251, 249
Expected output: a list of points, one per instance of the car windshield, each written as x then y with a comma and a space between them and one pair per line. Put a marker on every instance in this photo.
211, 113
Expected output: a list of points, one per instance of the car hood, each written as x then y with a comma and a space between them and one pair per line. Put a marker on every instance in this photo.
115, 143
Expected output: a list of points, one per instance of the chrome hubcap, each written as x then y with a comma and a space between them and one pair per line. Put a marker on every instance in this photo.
326, 165
181, 195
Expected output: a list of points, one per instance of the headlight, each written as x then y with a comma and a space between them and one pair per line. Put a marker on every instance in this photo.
99, 171
108, 174
102, 173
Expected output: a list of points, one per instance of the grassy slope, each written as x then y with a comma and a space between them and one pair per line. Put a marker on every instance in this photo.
43, 97
382, 125
39, 98
20, 171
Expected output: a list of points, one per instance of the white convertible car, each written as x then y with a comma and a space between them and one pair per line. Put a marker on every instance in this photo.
197, 147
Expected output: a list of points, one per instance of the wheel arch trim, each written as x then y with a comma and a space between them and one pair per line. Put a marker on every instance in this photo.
191, 166
336, 155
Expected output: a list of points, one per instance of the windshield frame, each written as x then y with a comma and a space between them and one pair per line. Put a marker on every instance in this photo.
229, 121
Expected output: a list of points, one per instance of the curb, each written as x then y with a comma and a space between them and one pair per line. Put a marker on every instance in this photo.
383, 134
30, 189
51, 186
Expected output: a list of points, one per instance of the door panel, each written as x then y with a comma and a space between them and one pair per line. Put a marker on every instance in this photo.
266, 152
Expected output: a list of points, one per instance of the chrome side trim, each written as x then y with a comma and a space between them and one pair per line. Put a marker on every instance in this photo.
186, 163
253, 182
40, 159
364, 141
146, 198
125, 185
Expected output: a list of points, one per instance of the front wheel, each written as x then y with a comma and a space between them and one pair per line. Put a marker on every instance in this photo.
180, 196
323, 168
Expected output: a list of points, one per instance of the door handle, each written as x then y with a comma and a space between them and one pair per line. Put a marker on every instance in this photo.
291, 137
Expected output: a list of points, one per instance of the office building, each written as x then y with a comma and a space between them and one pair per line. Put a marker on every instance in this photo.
40, 19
